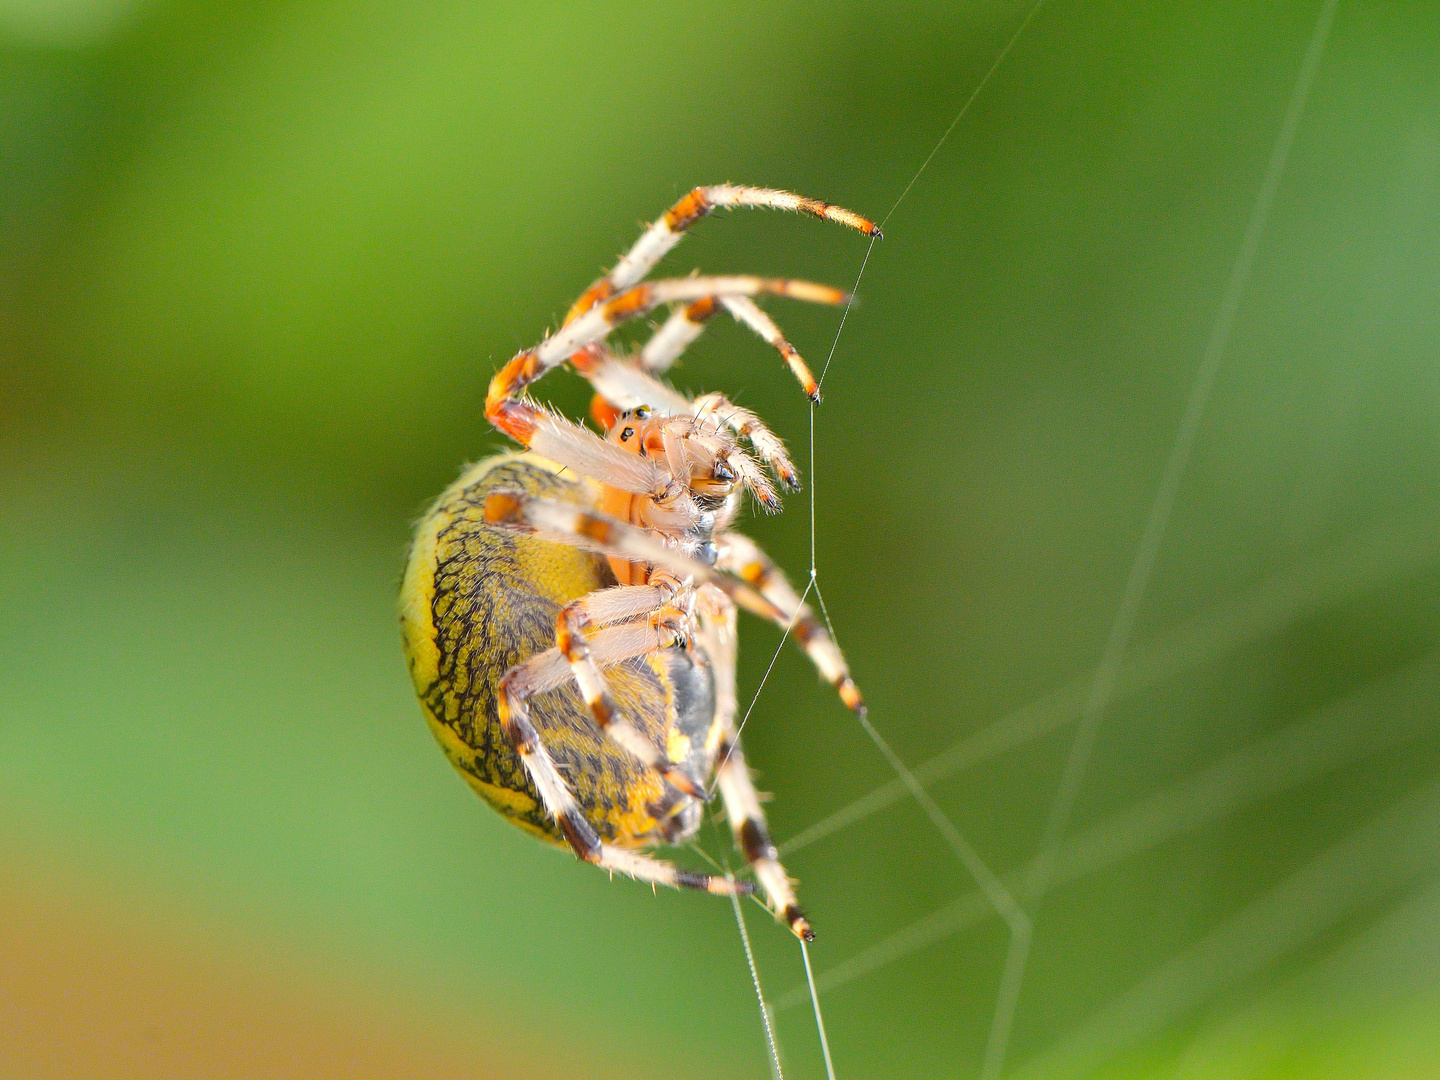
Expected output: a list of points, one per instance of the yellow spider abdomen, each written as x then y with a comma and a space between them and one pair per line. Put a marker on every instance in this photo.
476, 600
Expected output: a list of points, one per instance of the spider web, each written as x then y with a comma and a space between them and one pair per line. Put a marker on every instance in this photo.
1352, 872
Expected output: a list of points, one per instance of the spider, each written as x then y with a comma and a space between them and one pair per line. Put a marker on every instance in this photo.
569, 611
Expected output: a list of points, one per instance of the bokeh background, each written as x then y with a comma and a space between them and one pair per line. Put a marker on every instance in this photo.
257, 263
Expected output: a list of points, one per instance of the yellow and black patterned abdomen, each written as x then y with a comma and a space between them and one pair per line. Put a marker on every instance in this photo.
477, 600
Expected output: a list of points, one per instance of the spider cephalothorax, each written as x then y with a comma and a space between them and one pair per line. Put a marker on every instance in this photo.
573, 639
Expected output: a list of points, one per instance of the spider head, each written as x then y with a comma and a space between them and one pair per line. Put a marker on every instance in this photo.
639, 431
701, 455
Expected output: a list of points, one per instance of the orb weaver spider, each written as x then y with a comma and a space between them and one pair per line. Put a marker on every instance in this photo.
569, 611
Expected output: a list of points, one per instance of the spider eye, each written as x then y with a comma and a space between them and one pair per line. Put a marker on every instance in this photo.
626, 433
642, 413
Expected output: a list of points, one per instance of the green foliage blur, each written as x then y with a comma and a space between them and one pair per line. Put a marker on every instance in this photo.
259, 260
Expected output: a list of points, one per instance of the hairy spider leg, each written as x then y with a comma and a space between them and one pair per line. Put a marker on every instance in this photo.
743, 557
775, 601
573, 446
576, 634
676, 334
566, 523
596, 324
686, 324
569, 443
546, 671
737, 789
747, 313
656, 241
625, 384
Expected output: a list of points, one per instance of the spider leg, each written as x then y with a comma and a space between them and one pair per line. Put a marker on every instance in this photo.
747, 823
755, 481
747, 313
595, 325
580, 643
686, 324
675, 335
546, 671
741, 556
625, 384
660, 237
737, 789
566, 523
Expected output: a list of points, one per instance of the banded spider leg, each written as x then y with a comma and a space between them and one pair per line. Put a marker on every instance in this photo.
547, 671
656, 241
661, 624
732, 776
656, 621
572, 445
686, 324
717, 596
744, 558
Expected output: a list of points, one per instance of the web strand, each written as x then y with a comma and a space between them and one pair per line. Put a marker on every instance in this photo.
730, 749
1157, 524
820, 385
1238, 782
775, 1070
1323, 743
985, 79
1315, 585
819, 1019
1391, 853
963, 850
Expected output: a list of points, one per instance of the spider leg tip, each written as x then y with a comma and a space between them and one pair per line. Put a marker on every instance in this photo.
799, 924
850, 695
679, 780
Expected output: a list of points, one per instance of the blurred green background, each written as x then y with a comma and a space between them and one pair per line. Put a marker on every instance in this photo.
257, 263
